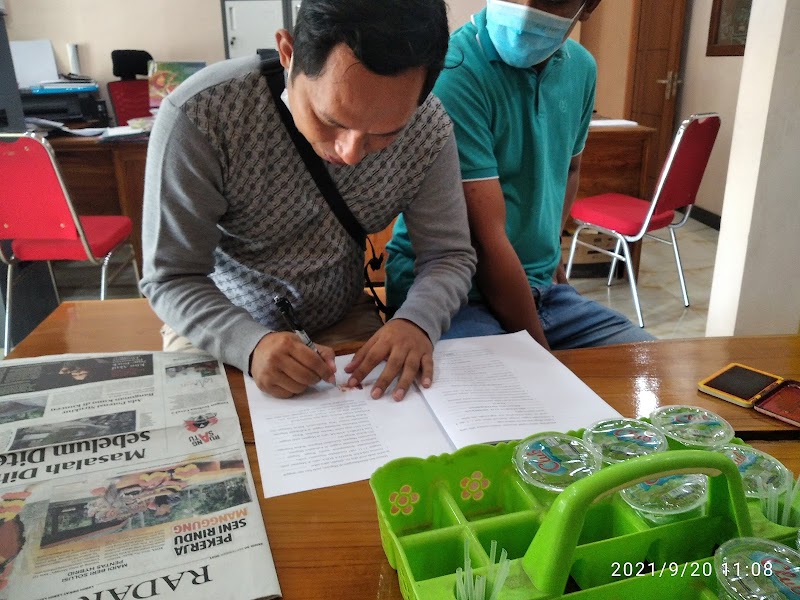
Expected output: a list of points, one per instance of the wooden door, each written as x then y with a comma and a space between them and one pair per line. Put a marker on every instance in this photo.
656, 70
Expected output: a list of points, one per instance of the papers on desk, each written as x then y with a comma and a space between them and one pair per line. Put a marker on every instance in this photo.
485, 389
126, 473
35, 123
612, 123
123, 132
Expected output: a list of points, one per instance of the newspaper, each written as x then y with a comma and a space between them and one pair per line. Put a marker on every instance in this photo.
125, 476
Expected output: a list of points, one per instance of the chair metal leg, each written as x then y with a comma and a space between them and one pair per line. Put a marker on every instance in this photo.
613, 263
572, 247
136, 274
632, 279
53, 281
104, 276
680, 266
9, 299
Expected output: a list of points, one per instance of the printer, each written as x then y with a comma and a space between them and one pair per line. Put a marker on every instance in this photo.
65, 107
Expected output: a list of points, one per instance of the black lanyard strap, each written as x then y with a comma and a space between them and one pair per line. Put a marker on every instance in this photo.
273, 71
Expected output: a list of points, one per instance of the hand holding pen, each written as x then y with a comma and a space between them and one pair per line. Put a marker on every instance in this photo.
287, 311
285, 364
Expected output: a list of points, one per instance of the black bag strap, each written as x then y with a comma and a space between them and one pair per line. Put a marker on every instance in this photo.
272, 69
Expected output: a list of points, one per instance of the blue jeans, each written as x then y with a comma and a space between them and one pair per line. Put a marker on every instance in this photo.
569, 321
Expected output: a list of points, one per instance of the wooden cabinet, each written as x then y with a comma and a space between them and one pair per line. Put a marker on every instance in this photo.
615, 160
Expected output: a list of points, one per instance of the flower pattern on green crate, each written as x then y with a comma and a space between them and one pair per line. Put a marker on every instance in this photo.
403, 501
473, 485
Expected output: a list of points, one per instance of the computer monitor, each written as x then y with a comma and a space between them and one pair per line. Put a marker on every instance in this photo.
11, 117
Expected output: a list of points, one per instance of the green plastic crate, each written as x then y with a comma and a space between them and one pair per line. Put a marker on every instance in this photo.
584, 543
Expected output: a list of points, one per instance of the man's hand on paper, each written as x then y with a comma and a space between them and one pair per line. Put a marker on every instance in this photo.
283, 366
407, 352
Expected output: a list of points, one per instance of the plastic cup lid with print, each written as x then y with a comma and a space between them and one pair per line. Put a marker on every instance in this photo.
748, 568
692, 426
620, 439
554, 460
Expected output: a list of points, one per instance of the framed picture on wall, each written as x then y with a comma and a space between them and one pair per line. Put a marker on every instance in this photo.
727, 31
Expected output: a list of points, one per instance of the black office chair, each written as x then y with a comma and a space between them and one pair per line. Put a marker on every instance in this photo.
127, 64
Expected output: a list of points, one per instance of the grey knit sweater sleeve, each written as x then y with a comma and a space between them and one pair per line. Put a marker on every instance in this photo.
183, 204
439, 232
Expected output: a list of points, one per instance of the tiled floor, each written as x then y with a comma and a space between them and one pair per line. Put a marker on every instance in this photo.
659, 292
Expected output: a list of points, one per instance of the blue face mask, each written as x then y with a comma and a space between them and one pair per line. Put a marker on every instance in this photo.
525, 36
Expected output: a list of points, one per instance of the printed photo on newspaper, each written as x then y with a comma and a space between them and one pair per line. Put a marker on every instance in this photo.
126, 476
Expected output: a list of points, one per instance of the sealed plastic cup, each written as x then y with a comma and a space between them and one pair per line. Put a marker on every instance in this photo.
618, 440
554, 460
668, 499
753, 568
756, 466
692, 426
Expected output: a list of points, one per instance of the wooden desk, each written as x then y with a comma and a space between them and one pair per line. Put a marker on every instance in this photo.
106, 178
326, 542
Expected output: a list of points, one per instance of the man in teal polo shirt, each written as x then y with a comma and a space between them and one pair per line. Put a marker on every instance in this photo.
521, 97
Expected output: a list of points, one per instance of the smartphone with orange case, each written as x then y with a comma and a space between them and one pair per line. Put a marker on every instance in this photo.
739, 384
752, 388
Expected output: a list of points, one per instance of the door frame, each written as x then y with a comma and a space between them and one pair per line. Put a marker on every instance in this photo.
634, 45
286, 8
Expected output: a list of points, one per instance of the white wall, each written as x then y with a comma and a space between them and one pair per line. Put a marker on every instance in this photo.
756, 286
710, 84
459, 11
169, 30
607, 35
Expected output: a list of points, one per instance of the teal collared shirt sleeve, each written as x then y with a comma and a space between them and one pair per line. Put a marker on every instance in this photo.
588, 108
469, 109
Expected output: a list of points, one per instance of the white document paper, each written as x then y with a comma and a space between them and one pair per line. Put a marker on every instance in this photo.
485, 389
34, 62
507, 387
329, 436
612, 123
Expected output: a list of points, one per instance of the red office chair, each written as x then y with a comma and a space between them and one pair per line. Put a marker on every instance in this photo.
630, 219
130, 99
39, 220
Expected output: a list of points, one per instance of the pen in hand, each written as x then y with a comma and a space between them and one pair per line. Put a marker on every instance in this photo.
287, 311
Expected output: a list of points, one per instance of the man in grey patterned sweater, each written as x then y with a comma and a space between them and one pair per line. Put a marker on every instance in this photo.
232, 217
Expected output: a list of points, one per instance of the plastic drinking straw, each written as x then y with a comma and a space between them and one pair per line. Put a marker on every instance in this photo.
461, 590
788, 501
492, 556
762, 495
469, 584
773, 504
502, 574
480, 588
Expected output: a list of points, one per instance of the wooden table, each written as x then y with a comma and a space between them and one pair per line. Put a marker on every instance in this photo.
325, 542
